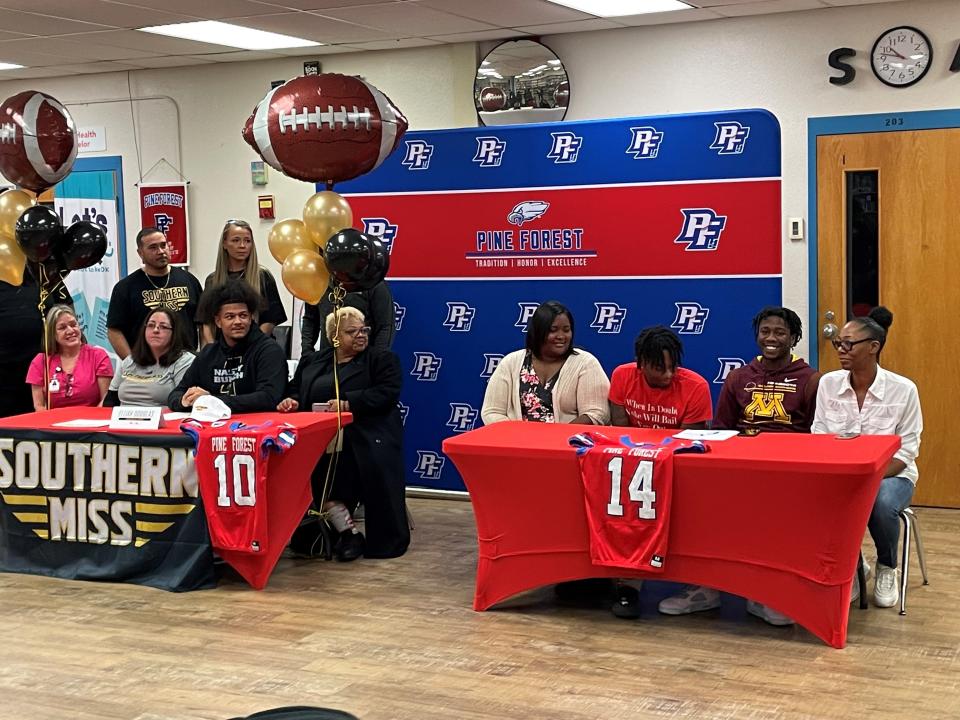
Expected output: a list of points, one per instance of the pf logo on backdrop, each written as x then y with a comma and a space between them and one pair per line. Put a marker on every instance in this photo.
731, 138
691, 318
463, 417
382, 228
701, 229
459, 317
644, 143
565, 147
429, 464
418, 155
490, 151
609, 317
426, 366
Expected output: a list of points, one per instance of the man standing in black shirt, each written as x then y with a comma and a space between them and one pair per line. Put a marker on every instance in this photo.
155, 285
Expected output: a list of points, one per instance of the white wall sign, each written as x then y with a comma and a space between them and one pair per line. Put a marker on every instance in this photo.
92, 138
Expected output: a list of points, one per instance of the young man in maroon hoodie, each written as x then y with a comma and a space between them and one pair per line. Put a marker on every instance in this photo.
776, 392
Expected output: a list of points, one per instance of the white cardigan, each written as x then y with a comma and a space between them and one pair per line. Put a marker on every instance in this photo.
582, 388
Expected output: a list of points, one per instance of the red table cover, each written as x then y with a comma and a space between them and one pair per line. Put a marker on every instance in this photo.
777, 518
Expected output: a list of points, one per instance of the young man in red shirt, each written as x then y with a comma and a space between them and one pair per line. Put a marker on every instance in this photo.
655, 392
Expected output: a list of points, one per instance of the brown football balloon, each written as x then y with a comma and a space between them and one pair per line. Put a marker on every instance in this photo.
325, 128
38, 140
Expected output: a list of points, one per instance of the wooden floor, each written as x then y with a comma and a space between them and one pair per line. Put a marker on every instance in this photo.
397, 639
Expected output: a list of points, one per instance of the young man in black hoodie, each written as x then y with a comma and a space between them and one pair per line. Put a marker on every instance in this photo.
775, 392
243, 367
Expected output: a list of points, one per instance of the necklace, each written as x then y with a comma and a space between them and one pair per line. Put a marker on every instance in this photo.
155, 286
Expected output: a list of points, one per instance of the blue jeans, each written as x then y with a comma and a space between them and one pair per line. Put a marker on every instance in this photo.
884, 524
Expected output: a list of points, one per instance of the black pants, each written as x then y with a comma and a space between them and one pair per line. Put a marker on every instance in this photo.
346, 487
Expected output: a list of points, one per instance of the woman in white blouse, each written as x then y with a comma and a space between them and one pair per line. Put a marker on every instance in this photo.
549, 380
865, 399
155, 365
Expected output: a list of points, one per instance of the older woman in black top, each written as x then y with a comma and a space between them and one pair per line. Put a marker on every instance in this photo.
370, 467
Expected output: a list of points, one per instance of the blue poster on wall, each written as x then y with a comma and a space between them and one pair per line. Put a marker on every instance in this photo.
671, 220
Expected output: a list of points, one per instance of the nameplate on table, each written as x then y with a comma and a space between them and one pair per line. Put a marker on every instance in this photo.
126, 417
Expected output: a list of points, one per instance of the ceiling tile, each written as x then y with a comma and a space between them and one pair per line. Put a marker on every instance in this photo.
768, 6
714, 3
150, 43
402, 19
664, 18
396, 44
95, 11
210, 9
508, 13
36, 24
240, 56
323, 4
170, 61
31, 72
314, 27
308, 53
568, 27
95, 67
501, 34
77, 48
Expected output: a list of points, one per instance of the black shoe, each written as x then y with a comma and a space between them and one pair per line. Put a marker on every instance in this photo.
627, 604
349, 547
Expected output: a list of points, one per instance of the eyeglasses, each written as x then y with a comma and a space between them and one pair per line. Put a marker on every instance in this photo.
159, 326
358, 331
847, 345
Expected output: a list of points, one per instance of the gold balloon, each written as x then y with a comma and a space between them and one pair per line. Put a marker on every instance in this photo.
326, 214
12, 260
287, 236
12, 205
305, 275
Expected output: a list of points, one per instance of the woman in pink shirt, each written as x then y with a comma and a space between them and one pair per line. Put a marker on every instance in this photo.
77, 373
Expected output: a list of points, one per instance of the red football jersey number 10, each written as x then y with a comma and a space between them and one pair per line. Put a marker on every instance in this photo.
243, 493
640, 489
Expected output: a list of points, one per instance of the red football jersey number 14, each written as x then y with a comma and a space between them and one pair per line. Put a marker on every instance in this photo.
640, 489
243, 467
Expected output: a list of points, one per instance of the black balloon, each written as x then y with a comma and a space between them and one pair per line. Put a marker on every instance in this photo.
356, 260
38, 232
83, 245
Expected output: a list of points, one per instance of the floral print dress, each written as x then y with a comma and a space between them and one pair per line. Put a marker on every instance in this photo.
536, 397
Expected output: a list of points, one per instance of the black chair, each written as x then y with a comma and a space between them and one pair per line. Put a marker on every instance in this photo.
299, 712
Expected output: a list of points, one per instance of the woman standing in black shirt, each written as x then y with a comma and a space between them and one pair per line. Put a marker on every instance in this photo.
237, 259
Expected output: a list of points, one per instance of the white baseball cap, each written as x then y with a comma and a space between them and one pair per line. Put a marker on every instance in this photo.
208, 408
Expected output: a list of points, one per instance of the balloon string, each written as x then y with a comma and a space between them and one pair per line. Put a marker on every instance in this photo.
42, 308
337, 295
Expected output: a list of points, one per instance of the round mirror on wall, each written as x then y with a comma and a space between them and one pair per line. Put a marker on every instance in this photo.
521, 81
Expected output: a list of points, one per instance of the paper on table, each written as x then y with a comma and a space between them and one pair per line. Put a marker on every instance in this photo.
171, 416
706, 434
82, 423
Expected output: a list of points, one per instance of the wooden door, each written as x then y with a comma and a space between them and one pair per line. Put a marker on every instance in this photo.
918, 274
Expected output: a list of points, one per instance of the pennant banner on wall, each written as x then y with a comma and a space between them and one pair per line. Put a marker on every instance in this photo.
670, 220
164, 206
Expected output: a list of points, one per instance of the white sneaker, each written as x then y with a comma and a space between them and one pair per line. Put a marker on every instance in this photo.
886, 589
855, 589
767, 614
693, 598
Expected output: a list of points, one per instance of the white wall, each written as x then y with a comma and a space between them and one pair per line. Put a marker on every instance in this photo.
776, 62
